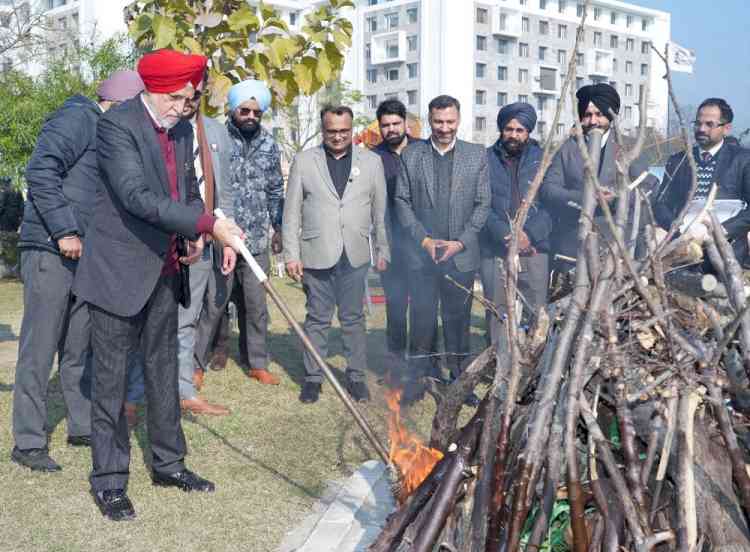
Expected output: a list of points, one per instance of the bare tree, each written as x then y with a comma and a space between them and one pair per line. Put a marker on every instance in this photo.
23, 28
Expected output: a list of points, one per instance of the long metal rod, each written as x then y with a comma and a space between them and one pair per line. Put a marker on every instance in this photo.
322, 364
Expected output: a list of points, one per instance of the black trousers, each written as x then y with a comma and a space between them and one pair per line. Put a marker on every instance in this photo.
395, 282
429, 290
154, 330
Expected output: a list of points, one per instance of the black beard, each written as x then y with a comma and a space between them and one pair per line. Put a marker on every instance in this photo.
395, 140
513, 147
249, 129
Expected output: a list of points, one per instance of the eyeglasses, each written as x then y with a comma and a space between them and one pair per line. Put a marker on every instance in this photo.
333, 132
196, 97
245, 111
710, 125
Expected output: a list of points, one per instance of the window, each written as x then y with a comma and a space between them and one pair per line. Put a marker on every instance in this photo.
541, 128
392, 96
544, 27
645, 47
562, 31
560, 129
541, 103
562, 57
613, 41
482, 15
641, 89
523, 76
547, 78
561, 6
413, 70
411, 97
391, 21
391, 49
542, 4
502, 73
525, 24
411, 15
628, 21
629, 67
523, 49
481, 43
372, 24
392, 74
372, 101
628, 89
502, 99
597, 13
644, 69
597, 39
613, 17
628, 114
523, 2
293, 18
480, 97
480, 70
644, 24
411, 42
523, 98
503, 22
614, 64
480, 123
372, 76
502, 45
580, 59
542, 53
372, 2
368, 52
630, 44
579, 10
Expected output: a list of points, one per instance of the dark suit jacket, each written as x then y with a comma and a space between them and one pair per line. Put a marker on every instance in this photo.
732, 176
134, 215
470, 200
564, 183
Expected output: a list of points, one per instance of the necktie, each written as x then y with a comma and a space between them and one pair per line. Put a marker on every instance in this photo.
199, 168
706, 156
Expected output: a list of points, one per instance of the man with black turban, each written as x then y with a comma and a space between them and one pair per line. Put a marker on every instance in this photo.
562, 188
513, 163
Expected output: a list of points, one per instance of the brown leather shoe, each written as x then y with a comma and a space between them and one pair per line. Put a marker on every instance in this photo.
263, 376
131, 415
199, 406
198, 376
219, 360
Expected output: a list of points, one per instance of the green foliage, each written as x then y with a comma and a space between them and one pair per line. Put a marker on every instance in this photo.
243, 41
27, 101
558, 527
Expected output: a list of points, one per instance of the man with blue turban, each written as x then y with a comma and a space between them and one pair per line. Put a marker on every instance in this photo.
513, 163
258, 191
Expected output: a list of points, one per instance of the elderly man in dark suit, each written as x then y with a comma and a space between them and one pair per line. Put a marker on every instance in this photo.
442, 199
130, 277
562, 188
719, 162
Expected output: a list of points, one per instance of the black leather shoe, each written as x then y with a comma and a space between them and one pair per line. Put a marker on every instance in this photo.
35, 459
358, 390
79, 440
115, 505
310, 392
472, 400
184, 480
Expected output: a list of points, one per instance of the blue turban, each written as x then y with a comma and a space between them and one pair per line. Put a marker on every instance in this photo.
249, 90
523, 112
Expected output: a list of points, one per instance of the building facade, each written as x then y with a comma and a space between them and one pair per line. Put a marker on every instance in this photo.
488, 53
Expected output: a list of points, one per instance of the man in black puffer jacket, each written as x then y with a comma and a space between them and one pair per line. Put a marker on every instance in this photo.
63, 178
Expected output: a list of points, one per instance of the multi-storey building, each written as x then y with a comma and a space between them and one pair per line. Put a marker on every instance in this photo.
488, 53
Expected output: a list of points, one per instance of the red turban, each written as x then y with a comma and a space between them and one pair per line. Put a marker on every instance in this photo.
165, 71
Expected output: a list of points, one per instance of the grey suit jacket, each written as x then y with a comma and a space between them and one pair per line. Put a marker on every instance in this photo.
318, 226
221, 145
470, 200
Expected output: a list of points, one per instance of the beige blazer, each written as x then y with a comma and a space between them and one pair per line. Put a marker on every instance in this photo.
318, 226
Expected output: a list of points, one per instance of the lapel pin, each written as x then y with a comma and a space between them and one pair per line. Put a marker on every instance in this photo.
214, 147
355, 172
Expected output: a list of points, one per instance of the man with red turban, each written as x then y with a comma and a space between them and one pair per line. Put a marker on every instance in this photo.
131, 276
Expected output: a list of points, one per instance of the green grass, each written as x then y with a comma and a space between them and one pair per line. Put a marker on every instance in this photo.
270, 459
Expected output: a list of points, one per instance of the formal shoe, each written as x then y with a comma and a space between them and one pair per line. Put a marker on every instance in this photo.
131, 414
310, 392
219, 360
199, 406
35, 459
198, 376
358, 390
263, 376
115, 505
79, 440
472, 400
184, 480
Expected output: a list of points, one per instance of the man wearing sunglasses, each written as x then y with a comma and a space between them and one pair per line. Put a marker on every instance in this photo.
719, 162
258, 192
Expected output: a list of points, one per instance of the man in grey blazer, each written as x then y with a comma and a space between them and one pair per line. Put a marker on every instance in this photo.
211, 267
442, 199
333, 228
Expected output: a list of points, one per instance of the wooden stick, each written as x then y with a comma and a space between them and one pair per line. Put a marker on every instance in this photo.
687, 519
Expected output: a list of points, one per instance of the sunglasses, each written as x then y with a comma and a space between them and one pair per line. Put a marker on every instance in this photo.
245, 111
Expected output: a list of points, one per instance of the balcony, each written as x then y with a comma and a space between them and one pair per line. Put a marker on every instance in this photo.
506, 23
388, 48
547, 83
599, 63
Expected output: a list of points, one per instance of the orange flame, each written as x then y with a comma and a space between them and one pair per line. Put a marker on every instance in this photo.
413, 459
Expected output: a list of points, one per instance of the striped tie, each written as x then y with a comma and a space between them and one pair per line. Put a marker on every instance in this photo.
198, 169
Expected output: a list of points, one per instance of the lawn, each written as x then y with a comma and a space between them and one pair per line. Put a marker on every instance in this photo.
271, 459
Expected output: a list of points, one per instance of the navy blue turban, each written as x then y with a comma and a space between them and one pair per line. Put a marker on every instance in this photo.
602, 95
522, 112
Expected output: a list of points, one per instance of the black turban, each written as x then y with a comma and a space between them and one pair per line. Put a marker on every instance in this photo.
523, 112
603, 96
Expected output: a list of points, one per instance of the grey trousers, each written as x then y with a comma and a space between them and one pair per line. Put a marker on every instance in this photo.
340, 287
53, 322
252, 313
187, 322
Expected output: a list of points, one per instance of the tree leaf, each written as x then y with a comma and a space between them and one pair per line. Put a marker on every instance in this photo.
342, 39
164, 31
140, 26
266, 11
208, 20
193, 45
323, 68
219, 86
304, 77
243, 19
